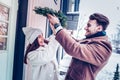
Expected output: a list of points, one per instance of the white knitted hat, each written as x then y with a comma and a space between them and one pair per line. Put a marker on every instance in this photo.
31, 33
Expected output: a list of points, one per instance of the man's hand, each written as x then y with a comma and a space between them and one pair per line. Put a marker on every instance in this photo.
53, 29
53, 19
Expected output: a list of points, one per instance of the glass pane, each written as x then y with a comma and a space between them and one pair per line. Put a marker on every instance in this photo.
4, 13
3, 42
71, 5
3, 28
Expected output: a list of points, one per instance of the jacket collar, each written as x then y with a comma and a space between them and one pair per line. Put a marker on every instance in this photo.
98, 34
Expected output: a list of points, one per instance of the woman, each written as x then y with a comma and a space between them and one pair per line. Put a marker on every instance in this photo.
40, 55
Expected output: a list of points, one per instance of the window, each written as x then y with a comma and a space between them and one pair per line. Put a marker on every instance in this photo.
4, 19
73, 5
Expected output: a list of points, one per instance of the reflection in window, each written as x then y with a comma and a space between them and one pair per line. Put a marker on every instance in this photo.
3, 42
4, 19
73, 5
3, 28
4, 11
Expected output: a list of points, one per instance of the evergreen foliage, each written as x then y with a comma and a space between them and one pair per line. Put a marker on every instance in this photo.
116, 73
44, 11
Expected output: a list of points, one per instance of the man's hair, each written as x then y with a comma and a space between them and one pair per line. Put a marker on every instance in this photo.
101, 19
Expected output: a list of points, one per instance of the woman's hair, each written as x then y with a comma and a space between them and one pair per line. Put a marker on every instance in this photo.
31, 47
101, 19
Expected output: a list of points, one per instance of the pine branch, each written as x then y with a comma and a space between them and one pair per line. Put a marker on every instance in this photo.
44, 11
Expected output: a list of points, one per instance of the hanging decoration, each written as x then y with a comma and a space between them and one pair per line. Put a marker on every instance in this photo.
44, 11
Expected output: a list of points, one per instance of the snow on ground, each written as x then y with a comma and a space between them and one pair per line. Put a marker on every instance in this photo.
107, 72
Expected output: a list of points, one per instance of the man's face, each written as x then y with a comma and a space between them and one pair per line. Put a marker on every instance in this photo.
92, 28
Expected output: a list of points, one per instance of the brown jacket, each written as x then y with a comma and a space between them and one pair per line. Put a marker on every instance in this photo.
89, 55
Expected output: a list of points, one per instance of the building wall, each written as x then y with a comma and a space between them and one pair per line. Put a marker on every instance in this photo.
39, 21
71, 9
72, 21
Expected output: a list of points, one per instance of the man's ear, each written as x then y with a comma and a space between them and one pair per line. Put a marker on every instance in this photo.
100, 28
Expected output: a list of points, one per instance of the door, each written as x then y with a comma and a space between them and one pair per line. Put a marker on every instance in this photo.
8, 12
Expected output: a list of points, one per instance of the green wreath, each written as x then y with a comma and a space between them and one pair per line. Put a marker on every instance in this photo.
44, 11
